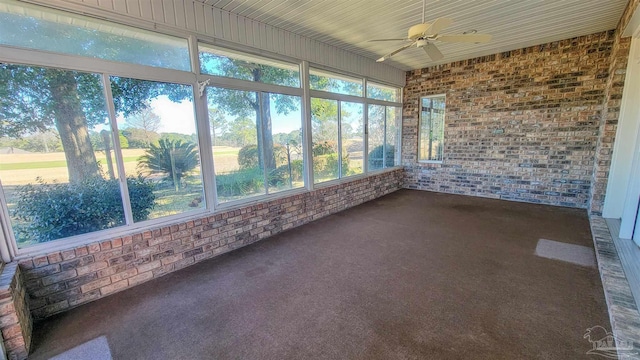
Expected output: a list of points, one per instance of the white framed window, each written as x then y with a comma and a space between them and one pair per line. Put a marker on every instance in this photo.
146, 108
335, 83
34, 27
237, 65
431, 129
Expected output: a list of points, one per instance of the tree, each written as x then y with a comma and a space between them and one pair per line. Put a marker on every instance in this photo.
174, 158
219, 124
246, 104
36, 99
242, 132
147, 123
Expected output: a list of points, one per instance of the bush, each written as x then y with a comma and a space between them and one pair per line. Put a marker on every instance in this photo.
324, 148
326, 166
170, 155
52, 211
248, 156
376, 158
297, 170
240, 182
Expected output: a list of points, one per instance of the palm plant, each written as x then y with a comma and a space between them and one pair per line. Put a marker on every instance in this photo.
172, 157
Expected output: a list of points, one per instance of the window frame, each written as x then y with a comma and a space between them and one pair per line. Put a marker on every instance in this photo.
197, 80
423, 161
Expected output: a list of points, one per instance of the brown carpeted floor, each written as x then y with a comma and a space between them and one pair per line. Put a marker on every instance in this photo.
412, 275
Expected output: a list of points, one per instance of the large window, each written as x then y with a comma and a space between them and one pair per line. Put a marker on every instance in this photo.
257, 142
383, 92
330, 82
431, 131
119, 146
159, 144
384, 139
57, 163
32, 27
236, 65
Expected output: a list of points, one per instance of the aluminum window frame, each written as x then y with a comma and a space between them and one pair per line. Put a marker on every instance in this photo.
420, 119
196, 79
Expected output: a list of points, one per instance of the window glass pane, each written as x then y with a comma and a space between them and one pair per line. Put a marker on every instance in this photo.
237, 150
159, 146
56, 154
335, 83
381, 92
283, 147
247, 67
376, 118
352, 131
324, 122
432, 128
394, 122
39, 28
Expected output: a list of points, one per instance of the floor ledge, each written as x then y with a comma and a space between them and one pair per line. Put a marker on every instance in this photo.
623, 311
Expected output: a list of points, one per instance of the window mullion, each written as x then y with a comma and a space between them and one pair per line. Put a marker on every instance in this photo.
384, 140
306, 127
122, 177
339, 139
8, 246
203, 128
262, 138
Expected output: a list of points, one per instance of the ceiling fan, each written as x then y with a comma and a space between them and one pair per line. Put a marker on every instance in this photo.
425, 34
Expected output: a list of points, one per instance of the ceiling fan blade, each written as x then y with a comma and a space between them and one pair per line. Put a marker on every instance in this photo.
376, 40
394, 52
467, 38
437, 26
433, 52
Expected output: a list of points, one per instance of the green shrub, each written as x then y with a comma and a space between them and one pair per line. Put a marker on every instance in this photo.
324, 148
170, 155
297, 170
326, 166
239, 183
376, 158
248, 156
52, 211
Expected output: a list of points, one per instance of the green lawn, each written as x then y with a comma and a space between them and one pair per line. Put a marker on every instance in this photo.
50, 164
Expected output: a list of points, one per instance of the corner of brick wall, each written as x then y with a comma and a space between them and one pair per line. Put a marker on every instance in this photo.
65, 279
611, 111
520, 125
15, 318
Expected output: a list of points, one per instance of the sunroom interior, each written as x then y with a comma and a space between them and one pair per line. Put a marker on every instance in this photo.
259, 179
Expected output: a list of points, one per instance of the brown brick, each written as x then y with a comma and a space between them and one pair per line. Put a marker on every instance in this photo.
140, 278
95, 285
124, 275
61, 276
92, 267
105, 290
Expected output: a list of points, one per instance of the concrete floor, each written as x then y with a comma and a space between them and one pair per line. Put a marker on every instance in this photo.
412, 275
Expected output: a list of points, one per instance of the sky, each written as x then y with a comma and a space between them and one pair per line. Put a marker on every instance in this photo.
179, 117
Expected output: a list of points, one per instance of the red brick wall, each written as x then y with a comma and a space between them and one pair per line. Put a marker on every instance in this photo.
65, 279
611, 112
15, 319
520, 125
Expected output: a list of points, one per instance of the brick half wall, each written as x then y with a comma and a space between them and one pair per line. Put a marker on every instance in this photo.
62, 280
15, 318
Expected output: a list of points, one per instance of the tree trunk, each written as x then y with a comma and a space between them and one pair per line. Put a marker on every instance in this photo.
72, 125
267, 133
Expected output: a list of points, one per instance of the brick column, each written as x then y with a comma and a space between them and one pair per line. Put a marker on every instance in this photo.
15, 318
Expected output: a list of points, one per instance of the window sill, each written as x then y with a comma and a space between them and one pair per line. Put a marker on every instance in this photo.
122, 231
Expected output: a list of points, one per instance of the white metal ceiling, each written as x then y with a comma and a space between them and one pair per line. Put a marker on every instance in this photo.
349, 24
